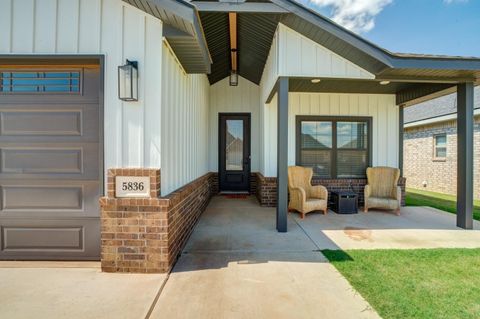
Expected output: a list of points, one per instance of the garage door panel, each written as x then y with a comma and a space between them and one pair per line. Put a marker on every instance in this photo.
38, 198
50, 239
64, 123
59, 161
42, 160
42, 122
48, 199
46, 238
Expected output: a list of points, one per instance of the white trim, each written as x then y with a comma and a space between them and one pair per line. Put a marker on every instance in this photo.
437, 119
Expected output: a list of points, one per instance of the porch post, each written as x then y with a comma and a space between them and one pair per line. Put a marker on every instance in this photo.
465, 155
400, 138
282, 154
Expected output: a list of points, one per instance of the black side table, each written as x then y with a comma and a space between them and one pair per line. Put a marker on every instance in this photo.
344, 202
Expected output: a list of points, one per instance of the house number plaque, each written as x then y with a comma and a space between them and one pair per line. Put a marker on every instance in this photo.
132, 186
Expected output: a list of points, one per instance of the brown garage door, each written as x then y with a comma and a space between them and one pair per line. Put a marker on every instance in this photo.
50, 161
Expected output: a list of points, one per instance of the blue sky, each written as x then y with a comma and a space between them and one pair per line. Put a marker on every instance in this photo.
449, 27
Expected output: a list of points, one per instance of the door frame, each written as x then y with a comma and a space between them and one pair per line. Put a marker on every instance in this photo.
248, 142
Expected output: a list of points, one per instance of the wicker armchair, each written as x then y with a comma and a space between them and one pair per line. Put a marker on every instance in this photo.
382, 190
304, 197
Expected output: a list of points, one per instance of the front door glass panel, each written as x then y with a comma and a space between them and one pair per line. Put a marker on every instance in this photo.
234, 145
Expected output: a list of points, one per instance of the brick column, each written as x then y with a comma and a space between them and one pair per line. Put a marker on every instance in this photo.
146, 235
134, 231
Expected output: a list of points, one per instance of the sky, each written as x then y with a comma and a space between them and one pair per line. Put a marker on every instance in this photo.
450, 27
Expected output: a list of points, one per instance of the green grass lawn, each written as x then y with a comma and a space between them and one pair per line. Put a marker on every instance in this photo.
416, 197
424, 283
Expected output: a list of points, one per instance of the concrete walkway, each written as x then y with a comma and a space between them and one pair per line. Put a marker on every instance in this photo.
73, 290
236, 265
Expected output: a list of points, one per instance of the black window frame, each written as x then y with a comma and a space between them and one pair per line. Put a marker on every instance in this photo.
333, 119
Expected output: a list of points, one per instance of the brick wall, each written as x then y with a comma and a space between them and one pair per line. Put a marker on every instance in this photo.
419, 165
267, 188
146, 235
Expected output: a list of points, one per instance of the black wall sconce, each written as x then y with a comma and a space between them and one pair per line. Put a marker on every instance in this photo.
128, 81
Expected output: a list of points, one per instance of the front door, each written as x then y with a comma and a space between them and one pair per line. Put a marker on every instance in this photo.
234, 152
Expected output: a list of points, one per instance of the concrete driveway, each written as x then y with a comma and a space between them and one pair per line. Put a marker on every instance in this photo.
73, 290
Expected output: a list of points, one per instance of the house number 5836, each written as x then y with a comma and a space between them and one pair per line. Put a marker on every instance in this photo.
133, 186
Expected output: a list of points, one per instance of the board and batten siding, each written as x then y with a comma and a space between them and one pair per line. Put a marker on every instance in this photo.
184, 124
270, 71
106, 27
301, 57
244, 98
381, 108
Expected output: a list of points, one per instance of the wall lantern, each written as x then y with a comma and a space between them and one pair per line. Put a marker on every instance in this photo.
128, 81
233, 78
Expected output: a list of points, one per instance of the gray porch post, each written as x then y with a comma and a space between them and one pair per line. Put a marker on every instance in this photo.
282, 154
400, 138
465, 155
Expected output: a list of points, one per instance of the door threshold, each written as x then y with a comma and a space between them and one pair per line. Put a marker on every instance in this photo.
234, 193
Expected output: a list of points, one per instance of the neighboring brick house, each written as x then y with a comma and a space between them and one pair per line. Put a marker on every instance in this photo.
430, 145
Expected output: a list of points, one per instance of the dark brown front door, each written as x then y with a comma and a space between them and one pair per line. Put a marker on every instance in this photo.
234, 152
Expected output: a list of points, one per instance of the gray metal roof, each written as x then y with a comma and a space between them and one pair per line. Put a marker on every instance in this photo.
441, 106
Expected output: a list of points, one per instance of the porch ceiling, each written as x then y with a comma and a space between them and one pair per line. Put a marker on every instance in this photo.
255, 34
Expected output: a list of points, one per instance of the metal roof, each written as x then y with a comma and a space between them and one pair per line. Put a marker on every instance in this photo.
441, 106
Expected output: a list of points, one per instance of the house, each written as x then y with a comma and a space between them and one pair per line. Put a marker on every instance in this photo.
430, 145
115, 117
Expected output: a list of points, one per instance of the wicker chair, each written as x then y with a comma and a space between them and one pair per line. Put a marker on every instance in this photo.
381, 190
304, 197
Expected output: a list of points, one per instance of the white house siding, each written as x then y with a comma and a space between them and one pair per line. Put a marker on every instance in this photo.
111, 28
270, 71
184, 124
244, 98
381, 108
302, 57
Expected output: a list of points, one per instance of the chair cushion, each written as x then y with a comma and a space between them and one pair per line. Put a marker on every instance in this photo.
387, 203
314, 204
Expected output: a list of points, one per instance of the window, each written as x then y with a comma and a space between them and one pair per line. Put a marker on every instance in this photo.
334, 147
440, 147
26, 81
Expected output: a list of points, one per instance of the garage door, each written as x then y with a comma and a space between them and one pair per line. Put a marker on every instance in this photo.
50, 161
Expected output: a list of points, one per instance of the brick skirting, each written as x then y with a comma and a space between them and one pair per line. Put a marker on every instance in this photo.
267, 188
146, 235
